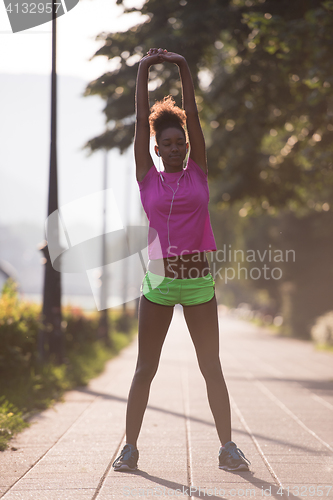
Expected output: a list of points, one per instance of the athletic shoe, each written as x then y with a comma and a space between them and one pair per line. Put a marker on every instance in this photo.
232, 458
128, 459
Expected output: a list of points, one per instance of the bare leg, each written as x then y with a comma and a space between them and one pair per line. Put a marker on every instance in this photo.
154, 322
202, 323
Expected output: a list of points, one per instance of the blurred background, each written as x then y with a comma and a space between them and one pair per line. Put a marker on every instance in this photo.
264, 88
25, 146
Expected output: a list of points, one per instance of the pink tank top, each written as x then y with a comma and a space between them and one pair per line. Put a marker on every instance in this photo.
189, 224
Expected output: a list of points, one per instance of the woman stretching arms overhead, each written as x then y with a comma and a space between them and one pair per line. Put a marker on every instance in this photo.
180, 234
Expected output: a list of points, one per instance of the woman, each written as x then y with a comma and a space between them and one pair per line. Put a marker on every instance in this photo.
176, 203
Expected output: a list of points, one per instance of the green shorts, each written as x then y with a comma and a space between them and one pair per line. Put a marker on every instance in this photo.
169, 292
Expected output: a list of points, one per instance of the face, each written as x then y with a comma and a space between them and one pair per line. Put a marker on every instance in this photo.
172, 147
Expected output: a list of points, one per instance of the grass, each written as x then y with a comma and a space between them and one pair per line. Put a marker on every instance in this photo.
324, 347
24, 396
270, 327
278, 330
11, 422
46, 384
26, 386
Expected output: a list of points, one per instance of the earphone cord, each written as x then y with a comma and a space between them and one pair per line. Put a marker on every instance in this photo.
168, 227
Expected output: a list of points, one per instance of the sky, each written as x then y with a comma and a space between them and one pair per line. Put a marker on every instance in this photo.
29, 51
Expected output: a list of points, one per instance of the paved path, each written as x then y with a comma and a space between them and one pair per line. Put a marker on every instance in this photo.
282, 413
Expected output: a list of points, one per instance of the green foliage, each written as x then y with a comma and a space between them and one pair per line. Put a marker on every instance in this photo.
322, 330
11, 422
267, 101
19, 324
25, 384
305, 288
80, 327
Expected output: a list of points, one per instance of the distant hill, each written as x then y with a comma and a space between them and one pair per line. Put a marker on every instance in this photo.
19, 247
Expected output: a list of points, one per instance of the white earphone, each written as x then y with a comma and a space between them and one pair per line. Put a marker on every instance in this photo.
168, 220
173, 197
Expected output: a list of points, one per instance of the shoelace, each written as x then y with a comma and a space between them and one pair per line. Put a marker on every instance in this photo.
124, 452
236, 452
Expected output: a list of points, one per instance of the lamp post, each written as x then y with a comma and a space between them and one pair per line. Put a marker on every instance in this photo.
104, 322
50, 341
127, 202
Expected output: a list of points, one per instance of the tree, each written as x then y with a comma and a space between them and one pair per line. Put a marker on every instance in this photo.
268, 108
262, 72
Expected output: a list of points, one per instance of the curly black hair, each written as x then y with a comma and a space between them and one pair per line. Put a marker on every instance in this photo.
165, 114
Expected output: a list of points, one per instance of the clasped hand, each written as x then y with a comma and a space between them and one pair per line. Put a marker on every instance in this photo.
158, 56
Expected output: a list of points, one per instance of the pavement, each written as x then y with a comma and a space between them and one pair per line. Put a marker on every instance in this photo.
282, 416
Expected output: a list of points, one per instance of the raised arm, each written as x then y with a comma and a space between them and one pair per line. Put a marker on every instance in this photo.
143, 159
196, 137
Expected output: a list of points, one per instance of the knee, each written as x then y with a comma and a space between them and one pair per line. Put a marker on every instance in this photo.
145, 373
211, 370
